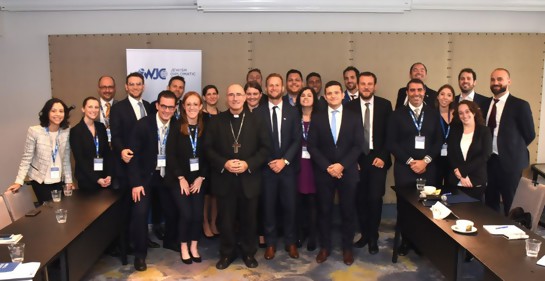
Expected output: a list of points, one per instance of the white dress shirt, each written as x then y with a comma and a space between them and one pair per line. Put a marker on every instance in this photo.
278, 119
499, 110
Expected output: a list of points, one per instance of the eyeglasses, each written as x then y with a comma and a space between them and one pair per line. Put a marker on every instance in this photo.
169, 108
134, 84
106, 87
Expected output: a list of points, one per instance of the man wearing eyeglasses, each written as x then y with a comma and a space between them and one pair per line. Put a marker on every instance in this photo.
147, 169
123, 117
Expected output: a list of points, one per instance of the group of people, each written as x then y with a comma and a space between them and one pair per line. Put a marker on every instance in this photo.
280, 147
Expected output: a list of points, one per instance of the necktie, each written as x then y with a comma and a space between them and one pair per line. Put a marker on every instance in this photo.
142, 109
107, 113
162, 148
492, 118
366, 128
334, 125
276, 141
354, 97
416, 113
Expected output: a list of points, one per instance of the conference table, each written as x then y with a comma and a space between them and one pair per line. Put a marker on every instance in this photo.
502, 259
93, 219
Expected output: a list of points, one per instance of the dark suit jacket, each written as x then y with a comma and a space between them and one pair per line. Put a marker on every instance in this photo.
401, 143
285, 99
143, 143
291, 133
478, 153
429, 98
179, 151
83, 148
122, 121
479, 99
382, 109
515, 133
325, 152
255, 148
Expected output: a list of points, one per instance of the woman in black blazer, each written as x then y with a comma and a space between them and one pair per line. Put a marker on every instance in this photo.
91, 150
469, 147
186, 171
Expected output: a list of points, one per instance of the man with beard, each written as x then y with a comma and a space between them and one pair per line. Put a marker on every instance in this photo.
417, 71
294, 83
375, 160
350, 76
512, 126
467, 78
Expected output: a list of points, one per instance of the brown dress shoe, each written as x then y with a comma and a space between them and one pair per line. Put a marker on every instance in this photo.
292, 251
348, 257
322, 256
269, 253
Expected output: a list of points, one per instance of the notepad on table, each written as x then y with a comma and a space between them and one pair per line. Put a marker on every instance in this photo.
24, 271
511, 232
12, 239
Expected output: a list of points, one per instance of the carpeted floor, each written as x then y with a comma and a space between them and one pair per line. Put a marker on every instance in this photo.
166, 265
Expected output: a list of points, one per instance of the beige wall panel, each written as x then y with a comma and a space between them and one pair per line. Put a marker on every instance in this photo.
224, 55
322, 52
77, 61
521, 53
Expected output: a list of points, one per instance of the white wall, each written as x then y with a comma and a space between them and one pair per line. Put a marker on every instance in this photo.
24, 59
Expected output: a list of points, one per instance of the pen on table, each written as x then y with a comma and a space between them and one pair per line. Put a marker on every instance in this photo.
500, 227
447, 194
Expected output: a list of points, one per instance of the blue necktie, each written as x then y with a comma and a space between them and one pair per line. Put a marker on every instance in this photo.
334, 125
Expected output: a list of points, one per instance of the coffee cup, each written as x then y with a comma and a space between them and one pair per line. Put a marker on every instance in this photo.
464, 225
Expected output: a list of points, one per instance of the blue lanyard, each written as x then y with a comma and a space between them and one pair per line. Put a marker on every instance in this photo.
96, 146
162, 143
305, 132
56, 149
193, 140
418, 125
447, 131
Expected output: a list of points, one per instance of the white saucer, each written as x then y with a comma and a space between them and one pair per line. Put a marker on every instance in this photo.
455, 228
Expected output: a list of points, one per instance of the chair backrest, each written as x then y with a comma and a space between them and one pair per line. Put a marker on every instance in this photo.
5, 218
530, 197
20, 202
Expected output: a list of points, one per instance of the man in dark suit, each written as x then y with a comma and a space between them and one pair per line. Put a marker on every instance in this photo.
375, 160
314, 80
467, 78
350, 77
237, 146
176, 84
106, 91
414, 138
294, 84
147, 169
123, 117
417, 71
510, 121
279, 176
335, 143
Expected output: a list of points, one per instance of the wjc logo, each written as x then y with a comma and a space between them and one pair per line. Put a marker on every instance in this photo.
154, 74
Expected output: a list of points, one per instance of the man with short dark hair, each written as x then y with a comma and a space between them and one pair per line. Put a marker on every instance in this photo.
314, 80
294, 84
350, 77
254, 74
417, 71
467, 78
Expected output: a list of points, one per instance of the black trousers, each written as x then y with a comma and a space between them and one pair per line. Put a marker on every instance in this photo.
326, 194
500, 182
369, 201
139, 216
279, 190
190, 214
43, 190
228, 206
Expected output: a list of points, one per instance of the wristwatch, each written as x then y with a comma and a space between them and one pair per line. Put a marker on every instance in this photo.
286, 162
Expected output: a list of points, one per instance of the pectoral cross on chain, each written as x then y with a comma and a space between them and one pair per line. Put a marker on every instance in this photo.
236, 146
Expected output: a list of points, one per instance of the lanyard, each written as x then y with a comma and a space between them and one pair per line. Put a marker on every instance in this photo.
162, 143
305, 132
418, 125
56, 149
97, 145
193, 140
446, 131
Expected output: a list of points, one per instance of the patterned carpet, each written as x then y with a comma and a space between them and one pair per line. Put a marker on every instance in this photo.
166, 265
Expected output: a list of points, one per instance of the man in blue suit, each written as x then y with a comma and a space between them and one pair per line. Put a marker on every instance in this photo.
510, 121
335, 143
279, 176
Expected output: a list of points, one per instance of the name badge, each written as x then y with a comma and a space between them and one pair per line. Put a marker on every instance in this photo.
161, 161
109, 134
55, 173
98, 164
420, 142
444, 150
193, 164
304, 153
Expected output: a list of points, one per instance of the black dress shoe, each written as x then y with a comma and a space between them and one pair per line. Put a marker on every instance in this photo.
172, 246
373, 247
140, 264
250, 261
403, 249
159, 231
152, 244
186, 261
224, 262
361, 243
311, 245
195, 259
